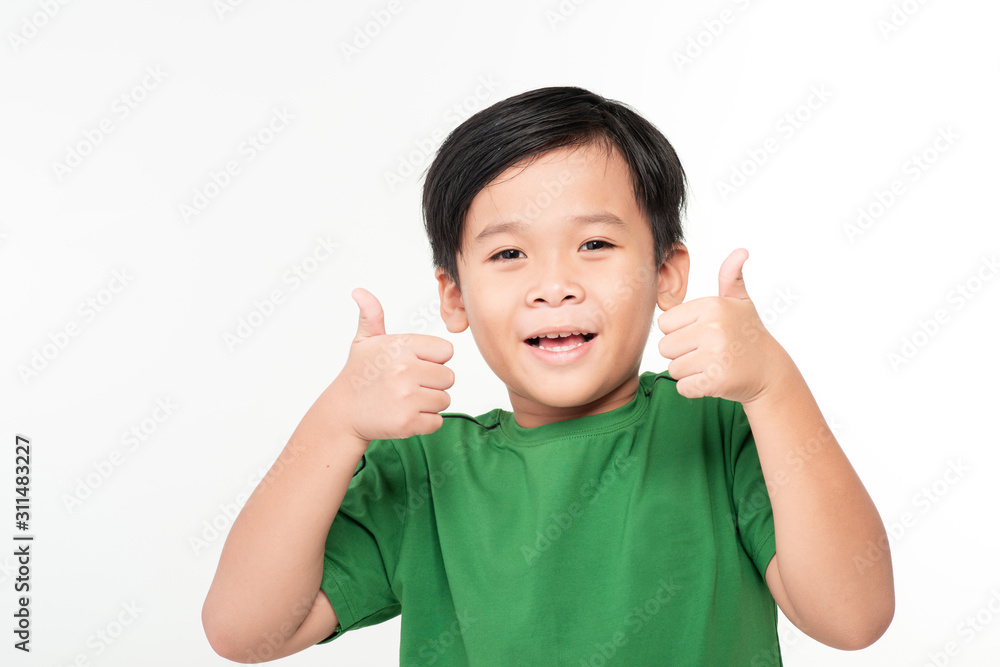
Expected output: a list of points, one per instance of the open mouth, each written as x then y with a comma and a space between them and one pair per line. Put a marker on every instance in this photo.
560, 342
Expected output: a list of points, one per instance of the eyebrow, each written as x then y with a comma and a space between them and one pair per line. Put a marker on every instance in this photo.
514, 226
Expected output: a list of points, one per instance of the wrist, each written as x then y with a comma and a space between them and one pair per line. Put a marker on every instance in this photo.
328, 421
781, 379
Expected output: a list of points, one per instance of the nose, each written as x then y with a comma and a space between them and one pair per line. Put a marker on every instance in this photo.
555, 283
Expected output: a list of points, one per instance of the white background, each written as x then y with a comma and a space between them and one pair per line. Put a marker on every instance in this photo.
847, 301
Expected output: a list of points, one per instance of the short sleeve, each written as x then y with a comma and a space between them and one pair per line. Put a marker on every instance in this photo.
751, 501
363, 542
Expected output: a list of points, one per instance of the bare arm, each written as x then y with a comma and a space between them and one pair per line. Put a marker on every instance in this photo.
265, 601
824, 522
268, 579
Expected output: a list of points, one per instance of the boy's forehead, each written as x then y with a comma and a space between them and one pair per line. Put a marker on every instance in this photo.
594, 156
559, 181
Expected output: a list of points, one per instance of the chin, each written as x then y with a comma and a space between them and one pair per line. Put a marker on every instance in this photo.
564, 403
561, 400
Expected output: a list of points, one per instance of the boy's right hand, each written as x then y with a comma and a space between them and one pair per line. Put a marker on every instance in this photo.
393, 384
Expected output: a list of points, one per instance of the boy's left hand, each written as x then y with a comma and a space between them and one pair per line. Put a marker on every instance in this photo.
719, 345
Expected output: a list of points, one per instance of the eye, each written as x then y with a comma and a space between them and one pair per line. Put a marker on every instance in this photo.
599, 241
501, 256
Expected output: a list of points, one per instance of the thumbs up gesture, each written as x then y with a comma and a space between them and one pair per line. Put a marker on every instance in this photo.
393, 385
719, 345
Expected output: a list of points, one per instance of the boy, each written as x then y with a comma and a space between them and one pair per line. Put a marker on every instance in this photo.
610, 517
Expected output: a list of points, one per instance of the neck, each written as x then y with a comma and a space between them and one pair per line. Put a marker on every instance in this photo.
531, 414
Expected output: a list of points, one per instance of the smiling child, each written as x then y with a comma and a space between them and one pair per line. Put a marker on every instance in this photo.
609, 517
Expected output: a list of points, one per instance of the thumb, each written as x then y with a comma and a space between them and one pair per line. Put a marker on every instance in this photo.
731, 275
371, 319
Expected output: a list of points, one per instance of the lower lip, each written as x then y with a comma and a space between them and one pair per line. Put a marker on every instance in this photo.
564, 357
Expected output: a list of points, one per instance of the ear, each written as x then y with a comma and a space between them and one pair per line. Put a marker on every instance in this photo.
671, 286
452, 306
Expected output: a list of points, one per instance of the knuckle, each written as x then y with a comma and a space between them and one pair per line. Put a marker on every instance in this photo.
436, 422
407, 427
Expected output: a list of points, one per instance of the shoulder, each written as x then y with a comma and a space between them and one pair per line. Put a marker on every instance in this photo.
716, 423
419, 455
662, 390
657, 382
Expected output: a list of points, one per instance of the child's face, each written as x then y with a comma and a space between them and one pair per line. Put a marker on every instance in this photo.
561, 246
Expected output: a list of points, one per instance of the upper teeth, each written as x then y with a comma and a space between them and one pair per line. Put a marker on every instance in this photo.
560, 335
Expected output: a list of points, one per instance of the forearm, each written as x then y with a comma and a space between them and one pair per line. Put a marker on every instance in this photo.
824, 519
272, 563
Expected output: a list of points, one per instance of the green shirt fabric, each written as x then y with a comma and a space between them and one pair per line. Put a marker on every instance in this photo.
637, 536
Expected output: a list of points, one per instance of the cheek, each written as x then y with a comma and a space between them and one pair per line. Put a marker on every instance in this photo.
642, 323
489, 325
626, 300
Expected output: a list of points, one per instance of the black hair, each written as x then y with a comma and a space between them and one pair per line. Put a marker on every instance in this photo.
531, 123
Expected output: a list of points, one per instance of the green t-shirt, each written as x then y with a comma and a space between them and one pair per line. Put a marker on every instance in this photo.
634, 537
